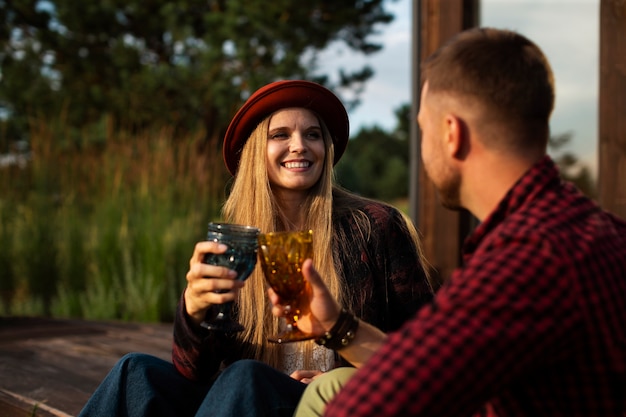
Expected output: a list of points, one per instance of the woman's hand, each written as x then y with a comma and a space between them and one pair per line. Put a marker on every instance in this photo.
305, 376
204, 280
318, 307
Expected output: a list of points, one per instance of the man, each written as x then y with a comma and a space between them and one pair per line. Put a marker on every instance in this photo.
534, 322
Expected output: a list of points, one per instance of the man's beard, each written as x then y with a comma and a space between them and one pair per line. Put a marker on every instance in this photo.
449, 192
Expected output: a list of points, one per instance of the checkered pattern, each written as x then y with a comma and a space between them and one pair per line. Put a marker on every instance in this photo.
533, 324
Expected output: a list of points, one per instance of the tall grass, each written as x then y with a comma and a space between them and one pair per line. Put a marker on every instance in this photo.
103, 227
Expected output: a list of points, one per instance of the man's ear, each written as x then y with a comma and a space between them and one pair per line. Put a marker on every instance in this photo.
457, 138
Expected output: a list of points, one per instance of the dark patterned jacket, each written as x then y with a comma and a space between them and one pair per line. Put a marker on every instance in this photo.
381, 269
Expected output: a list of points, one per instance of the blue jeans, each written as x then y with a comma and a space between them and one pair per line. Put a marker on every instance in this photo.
141, 385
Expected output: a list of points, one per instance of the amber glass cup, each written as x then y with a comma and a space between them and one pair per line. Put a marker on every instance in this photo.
282, 255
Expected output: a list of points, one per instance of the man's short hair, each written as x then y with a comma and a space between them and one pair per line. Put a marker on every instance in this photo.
503, 70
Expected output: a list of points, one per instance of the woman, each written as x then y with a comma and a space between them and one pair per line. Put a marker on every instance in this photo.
281, 147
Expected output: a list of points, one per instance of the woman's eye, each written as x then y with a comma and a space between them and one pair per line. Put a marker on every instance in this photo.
279, 135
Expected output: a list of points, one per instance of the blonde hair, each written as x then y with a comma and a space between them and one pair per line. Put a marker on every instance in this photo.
252, 202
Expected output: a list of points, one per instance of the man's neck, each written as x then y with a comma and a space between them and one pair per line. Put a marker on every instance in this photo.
487, 180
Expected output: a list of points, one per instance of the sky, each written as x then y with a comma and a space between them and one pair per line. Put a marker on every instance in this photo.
566, 30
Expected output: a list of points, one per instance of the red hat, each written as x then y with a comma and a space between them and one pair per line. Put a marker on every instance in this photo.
279, 95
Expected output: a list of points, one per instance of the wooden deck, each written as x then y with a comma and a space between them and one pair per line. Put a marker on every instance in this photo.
49, 368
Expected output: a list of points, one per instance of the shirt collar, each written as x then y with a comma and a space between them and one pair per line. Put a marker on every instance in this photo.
541, 174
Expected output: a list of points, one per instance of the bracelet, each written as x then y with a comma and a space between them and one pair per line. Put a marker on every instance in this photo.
342, 333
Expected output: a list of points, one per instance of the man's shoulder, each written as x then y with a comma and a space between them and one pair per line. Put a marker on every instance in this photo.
561, 224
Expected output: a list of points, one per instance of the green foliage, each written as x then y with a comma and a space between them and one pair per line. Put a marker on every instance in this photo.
123, 104
376, 164
8, 281
104, 232
170, 63
571, 168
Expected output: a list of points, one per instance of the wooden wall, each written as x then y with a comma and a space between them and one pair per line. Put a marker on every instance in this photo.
612, 107
443, 231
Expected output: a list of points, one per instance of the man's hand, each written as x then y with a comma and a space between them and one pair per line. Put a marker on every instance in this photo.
318, 307
320, 312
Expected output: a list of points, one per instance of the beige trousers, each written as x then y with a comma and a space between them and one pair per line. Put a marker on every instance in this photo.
321, 390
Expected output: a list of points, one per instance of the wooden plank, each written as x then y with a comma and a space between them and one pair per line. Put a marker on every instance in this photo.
57, 364
15, 405
612, 107
443, 230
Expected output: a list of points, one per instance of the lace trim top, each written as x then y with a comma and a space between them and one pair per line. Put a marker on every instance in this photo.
323, 359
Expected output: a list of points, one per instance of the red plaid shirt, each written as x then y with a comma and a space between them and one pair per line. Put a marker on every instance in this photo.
534, 323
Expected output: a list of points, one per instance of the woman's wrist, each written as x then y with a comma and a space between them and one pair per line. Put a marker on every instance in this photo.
194, 315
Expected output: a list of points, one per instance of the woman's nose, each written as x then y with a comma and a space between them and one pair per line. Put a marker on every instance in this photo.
297, 143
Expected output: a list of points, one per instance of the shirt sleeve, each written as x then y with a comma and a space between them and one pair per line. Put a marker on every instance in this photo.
487, 323
199, 354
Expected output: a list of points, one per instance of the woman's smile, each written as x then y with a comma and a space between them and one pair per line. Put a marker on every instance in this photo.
296, 164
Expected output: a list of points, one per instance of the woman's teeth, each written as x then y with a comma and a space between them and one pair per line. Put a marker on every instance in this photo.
297, 164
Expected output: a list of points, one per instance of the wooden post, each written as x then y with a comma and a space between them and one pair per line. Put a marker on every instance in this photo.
612, 107
443, 231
